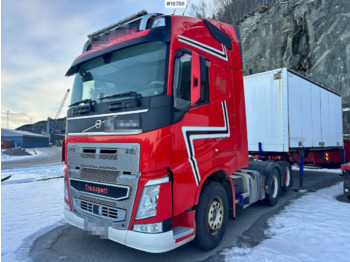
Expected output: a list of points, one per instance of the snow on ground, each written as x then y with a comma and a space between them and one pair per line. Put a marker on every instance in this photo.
29, 208
6, 158
24, 175
319, 170
314, 227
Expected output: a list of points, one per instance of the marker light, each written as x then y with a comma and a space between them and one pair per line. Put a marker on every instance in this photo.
159, 21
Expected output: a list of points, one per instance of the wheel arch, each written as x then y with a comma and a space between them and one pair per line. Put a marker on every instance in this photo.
221, 176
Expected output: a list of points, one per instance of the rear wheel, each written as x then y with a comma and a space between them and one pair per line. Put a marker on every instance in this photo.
211, 216
271, 198
288, 178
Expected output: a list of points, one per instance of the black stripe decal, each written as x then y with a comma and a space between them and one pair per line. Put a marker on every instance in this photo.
197, 132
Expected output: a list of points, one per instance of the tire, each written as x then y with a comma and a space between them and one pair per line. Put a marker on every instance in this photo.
348, 198
287, 177
211, 216
271, 198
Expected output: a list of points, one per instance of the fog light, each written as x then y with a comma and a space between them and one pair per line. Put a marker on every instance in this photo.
346, 190
149, 228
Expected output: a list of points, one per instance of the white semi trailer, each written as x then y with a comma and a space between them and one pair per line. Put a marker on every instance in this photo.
287, 113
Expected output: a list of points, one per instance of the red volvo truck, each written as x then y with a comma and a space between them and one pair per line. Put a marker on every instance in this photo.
156, 146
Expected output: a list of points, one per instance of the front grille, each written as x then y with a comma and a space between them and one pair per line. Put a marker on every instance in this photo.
98, 175
109, 212
89, 156
114, 164
108, 157
108, 154
86, 206
98, 201
116, 214
123, 157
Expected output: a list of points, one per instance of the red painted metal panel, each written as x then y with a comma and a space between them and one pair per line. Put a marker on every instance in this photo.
5, 144
327, 157
347, 150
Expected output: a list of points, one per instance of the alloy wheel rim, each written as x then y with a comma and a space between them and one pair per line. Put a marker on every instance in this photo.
215, 215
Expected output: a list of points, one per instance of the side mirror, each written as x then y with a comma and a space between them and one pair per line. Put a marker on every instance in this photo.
195, 78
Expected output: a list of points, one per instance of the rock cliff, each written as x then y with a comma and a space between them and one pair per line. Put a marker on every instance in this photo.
311, 37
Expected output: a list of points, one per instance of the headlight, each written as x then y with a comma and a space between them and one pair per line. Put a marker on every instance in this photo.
149, 202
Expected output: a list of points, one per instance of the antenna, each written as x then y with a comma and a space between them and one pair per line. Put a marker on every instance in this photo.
174, 12
186, 7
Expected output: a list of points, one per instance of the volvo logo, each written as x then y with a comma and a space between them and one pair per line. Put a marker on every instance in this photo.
98, 123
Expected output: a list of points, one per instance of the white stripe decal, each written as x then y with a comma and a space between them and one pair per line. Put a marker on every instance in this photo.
191, 133
216, 52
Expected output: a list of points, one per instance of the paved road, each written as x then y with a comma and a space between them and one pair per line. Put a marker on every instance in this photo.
51, 156
67, 243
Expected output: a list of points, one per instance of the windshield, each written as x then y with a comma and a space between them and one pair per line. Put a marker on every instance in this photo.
139, 69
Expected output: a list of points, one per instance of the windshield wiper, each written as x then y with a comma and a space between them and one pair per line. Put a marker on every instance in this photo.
130, 93
85, 101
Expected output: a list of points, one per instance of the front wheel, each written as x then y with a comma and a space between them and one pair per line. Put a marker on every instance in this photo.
211, 216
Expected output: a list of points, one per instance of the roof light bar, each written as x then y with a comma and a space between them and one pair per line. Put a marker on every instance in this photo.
119, 23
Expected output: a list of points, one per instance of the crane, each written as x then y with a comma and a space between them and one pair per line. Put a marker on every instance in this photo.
62, 104
51, 127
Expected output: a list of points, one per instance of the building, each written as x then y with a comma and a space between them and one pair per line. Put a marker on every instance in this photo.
24, 139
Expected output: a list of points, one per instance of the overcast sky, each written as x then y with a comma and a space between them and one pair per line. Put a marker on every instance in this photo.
39, 41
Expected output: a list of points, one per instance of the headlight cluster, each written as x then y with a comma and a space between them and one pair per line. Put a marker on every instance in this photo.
148, 206
149, 202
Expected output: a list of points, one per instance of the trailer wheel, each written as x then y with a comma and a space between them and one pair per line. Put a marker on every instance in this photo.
211, 216
271, 198
288, 178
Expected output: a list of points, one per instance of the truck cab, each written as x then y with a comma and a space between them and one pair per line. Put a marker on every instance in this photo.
155, 129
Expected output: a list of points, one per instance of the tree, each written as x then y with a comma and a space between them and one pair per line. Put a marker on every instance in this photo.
227, 11
202, 9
